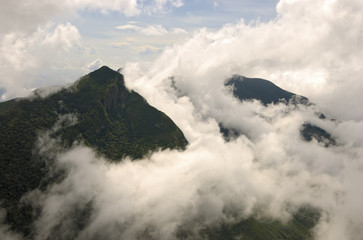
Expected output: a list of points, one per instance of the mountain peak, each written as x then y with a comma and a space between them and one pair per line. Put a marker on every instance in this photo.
245, 88
101, 77
104, 70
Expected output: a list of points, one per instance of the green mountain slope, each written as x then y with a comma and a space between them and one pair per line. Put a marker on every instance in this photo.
106, 116
298, 228
99, 111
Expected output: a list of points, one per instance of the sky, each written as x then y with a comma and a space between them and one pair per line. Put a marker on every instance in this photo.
49, 43
310, 47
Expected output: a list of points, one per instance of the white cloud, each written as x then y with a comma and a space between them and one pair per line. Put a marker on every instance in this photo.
313, 48
27, 15
26, 58
150, 30
179, 31
128, 27
273, 171
65, 36
163, 5
96, 64
314, 52
154, 30
273, 175
27, 24
128, 7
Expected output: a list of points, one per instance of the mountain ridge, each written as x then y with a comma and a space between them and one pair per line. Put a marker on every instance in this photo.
108, 117
99, 111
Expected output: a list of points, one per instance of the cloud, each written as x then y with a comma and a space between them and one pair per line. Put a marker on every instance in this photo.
313, 52
5, 232
64, 36
179, 31
96, 64
272, 175
24, 15
151, 30
27, 25
154, 30
312, 48
163, 5
128, 27
27, 59
309, 50
270, 170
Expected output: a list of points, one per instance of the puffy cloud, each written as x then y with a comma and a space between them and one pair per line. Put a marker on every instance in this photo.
26, 16
48, 50
270, 170
313, 49
32, 51
271, 175
64, 36
314, 52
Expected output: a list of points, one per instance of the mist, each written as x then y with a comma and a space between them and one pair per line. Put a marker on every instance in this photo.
270, 175
312, 48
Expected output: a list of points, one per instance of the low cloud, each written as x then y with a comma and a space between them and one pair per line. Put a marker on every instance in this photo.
272, 175
312, 48
5, 231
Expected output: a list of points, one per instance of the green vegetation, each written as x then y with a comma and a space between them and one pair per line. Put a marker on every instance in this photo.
298, 228
310, 132
100, 112
110, 118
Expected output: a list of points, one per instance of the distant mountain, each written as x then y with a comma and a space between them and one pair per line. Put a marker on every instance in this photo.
97, 110
265, 91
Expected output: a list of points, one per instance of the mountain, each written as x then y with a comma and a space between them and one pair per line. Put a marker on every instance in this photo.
100, 112
97, 110
245, 89
263, 90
